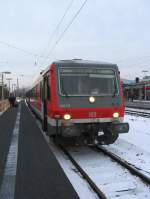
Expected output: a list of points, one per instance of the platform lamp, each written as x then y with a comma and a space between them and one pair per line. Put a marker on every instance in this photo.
5, 72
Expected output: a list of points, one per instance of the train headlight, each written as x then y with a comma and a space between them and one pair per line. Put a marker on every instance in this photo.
115, 115
92, 99
67, 116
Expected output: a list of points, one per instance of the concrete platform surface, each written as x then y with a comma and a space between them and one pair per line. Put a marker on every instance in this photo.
7, 122
39, 175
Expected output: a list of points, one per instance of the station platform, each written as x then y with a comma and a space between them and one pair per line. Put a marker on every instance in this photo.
7, 121
38, 173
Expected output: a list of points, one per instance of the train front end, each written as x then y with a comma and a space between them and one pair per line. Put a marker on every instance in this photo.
90, 106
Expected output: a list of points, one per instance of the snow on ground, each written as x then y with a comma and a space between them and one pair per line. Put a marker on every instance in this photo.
114, 180
80, 185
134, 146
139, 133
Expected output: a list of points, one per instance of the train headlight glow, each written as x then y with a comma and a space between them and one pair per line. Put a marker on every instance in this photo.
115, 115
67, 116
92, 99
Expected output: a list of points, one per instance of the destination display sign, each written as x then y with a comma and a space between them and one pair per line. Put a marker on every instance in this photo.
86, 70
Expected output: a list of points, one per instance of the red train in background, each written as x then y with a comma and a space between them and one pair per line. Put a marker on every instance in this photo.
80, 102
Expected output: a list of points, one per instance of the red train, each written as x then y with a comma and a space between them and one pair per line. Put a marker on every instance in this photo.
80, 102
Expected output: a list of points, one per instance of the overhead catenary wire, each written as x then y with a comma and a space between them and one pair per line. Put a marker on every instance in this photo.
20, 49
65, 30
144, 59
52, 35
58, 25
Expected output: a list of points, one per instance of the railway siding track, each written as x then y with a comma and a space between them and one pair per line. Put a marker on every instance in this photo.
138, 113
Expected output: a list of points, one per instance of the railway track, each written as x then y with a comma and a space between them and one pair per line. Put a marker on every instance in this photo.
135, 171
99, 193
100, 190
97, 189
138, 113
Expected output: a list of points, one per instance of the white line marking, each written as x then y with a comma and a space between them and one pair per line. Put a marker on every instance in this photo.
8, 185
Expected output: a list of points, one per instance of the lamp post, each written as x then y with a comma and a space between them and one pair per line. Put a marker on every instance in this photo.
9, 79
144, 72
22, 76
5, 72
13, 87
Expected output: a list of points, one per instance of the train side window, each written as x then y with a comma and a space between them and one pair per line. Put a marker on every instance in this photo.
48, 90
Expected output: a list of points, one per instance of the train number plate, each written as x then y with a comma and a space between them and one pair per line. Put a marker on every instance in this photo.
92, 114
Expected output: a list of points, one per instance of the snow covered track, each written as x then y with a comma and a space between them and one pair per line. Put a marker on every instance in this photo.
113, 179
125, 164
100, 194
138, 113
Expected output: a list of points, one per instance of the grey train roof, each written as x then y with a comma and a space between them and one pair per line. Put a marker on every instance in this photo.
80, 62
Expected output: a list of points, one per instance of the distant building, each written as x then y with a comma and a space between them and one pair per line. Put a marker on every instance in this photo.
145, 79
139, 90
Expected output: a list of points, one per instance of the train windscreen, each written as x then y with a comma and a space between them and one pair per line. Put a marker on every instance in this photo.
87, 82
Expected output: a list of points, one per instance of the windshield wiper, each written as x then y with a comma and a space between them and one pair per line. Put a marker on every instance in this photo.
65, 93
115, 91
62, 88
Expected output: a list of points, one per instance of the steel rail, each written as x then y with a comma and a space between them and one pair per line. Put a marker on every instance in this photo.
100, 194
137, 107
123, 163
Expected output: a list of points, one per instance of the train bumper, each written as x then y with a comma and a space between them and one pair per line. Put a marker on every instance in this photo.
68, 129
120, 127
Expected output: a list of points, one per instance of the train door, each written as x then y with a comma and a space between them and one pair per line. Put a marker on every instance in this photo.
44, 103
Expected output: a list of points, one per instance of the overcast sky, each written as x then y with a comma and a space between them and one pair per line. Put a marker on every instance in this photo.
115, 31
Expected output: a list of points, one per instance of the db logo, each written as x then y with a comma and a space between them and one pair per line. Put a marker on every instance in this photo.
92, 114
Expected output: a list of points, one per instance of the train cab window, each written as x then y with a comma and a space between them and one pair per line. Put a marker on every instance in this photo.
88, 81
